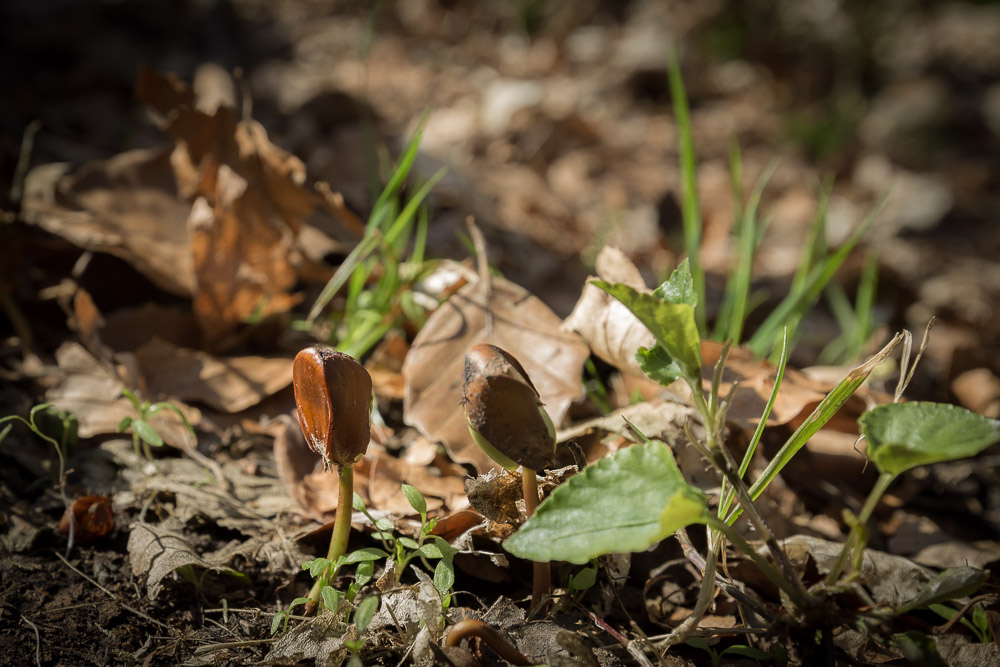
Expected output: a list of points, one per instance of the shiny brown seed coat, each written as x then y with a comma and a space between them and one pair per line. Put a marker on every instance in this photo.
332, 399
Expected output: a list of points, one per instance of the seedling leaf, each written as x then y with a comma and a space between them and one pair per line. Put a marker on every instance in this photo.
145, 431
672, 325
416, 499
331, 597
360, 555
366, 610
905, 435
626, 502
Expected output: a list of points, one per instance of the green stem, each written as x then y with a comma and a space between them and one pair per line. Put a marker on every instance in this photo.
541, 581
341, 533
881, 486
769, 570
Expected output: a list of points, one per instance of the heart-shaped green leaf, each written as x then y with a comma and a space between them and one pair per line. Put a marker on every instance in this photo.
905, 435
626, 502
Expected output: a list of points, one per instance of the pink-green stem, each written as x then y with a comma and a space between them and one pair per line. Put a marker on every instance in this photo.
341, 533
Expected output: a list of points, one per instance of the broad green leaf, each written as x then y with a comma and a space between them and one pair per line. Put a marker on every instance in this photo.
679, 287
276, 621
146, 432
359, 504
672, 325
583, 579
626, 502
366, 610
953, 583
430, 551
123, 424
657, 364
416, 499
905, 435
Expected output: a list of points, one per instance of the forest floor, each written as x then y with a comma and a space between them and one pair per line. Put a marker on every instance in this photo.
180, 181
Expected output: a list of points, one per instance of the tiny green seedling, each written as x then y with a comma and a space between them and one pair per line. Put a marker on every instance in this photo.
508, 421
144, 435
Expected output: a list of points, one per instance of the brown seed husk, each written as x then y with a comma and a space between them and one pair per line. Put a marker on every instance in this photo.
332, 397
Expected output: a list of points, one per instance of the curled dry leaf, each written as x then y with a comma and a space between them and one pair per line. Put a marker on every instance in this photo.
91, 517
126, 206
229, 384
609, 328
503, 314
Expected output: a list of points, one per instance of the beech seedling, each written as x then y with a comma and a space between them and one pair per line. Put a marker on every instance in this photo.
333, 401
508, 421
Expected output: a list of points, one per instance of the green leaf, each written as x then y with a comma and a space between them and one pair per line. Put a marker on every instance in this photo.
123, 424
657, 364
364, 572
444, 576
384, 524
409, 542
366, 610
679, 287
905, 435
276, 621
147, 433
953, 583
918, 648
583, 579
133, 399
360, 555
316, 566
672, 325
297, 602
430, 551
359, 503
416, 499
331, 597
626, 502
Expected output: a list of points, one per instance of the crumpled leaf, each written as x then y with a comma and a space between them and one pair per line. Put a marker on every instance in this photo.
317, 639
377, 479
230, 384
92, 392
125, 206
605, 323
156, 550
502, 313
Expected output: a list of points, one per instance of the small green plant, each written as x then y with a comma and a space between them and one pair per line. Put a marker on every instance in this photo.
426, 547
508, 421
144, 435
63, 425
380, 271
333, 398
637, 497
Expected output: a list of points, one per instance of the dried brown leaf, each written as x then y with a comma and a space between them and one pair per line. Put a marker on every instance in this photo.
497, 312
229, 384
612, 331
126, 206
